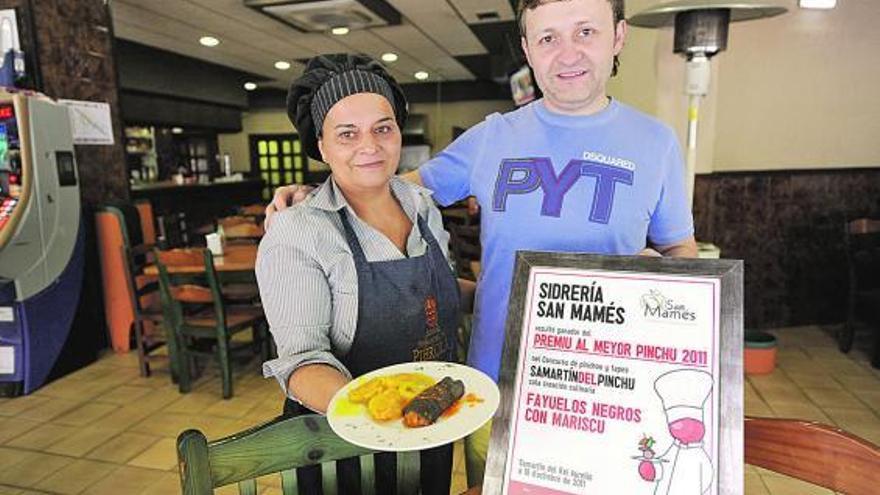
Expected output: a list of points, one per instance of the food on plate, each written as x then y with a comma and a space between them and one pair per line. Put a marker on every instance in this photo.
410, 385
363, 393
386, 405
426, 407
385, 396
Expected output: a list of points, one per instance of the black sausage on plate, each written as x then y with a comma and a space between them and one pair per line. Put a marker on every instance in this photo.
426, 407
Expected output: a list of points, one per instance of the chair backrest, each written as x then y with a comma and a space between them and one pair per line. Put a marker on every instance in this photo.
815, 453
148, 222
280, 446
136, 258
117, 227
173, 230
465, 246
255, 210
187, 278
231, 221
243, 231
862, 243
241, 227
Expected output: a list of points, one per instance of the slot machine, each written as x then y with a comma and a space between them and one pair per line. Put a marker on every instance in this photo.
41, 241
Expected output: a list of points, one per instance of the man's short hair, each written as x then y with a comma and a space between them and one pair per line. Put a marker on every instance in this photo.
617, 7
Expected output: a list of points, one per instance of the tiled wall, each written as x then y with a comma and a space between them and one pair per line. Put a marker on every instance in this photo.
788, 228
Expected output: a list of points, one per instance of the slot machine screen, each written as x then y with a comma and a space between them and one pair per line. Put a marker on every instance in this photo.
10, 163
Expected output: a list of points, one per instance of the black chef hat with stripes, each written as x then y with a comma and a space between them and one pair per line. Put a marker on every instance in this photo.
330, 78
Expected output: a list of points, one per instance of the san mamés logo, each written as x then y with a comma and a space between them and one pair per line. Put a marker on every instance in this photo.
657, 306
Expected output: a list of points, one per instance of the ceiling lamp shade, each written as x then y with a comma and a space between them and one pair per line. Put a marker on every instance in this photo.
664, 14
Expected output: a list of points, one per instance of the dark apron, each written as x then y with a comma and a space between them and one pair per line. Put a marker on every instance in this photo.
408, 310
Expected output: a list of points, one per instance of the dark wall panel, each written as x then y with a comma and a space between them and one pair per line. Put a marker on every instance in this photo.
444, 92
138, 108
146, 69
788, 228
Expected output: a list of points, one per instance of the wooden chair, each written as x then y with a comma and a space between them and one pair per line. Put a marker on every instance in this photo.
280, 446
808, 451
145, 302
815, 453
197, 312
862, 243
120, 227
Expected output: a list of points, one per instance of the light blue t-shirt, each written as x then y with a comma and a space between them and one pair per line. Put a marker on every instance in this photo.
602, 183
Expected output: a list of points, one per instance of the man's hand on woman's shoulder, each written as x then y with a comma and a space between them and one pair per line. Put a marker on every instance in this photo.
286, 196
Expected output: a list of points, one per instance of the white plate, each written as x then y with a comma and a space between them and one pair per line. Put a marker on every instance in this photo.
358, 428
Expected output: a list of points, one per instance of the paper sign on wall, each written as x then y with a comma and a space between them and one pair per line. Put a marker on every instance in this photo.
90, 121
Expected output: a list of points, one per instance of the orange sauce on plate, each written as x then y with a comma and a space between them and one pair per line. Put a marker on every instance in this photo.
470, 399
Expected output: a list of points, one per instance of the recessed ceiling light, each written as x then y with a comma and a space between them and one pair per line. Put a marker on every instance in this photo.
282, 65
339, 31
176, 130
421, 75
250, 86
818, 4
209, 41
389, 57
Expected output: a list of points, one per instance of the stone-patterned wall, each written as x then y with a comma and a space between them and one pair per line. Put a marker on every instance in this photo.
788, 228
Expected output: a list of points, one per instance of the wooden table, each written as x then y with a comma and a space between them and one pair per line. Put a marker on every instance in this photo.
236, 258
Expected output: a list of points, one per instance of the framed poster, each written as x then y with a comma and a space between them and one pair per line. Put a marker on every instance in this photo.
620, 374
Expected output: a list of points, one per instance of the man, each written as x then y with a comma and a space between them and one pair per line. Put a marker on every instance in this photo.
574, 171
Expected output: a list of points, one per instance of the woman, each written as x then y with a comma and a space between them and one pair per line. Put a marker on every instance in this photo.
355, 278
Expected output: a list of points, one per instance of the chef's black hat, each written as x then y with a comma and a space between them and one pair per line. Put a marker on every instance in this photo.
330, 78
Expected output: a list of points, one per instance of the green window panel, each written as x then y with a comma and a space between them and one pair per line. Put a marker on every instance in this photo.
273, 147
288, 177
299, 177
297, 163
276, 178
296, 146
265, 177
261, 147
285, 147
288, 163
264, 163
273, 162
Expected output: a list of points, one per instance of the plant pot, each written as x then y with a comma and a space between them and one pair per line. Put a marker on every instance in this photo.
759, 353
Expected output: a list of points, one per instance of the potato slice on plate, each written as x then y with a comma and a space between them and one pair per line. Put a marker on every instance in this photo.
386, 405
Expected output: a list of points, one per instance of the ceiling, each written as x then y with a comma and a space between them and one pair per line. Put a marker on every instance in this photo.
446, 38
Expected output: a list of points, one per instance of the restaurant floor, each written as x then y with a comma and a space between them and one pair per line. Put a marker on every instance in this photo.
105, 430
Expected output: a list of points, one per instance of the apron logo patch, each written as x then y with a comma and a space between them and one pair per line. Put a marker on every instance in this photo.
434, 345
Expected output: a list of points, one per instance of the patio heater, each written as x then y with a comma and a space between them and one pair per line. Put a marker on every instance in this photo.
700, 33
